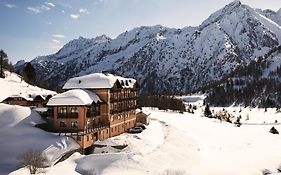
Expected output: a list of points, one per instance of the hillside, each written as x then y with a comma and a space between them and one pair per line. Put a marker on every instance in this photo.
256, 84
18, 132
13, 84
168, 59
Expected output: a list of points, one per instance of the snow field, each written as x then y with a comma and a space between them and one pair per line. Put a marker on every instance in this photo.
19, 134
187, 142
13, 84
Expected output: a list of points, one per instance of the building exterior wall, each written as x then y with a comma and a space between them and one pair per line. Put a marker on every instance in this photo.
102, 93
130, 123
86, 140
117, 129
39, 104
142, 118
24, 102
117, 115
103, 134
21, 102
80, 119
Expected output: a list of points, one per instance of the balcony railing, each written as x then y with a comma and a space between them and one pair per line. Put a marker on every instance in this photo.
115, 90
67, 115
123, 98
115, 111
131, 98
97, 127
93, 114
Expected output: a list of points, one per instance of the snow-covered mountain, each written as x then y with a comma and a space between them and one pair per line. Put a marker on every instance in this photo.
274, 16
168, 59
256, 84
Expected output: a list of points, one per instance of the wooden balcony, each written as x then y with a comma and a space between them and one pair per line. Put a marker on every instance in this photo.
97, 127
93, 114
123, 99
115, 90
67, 115
116, 111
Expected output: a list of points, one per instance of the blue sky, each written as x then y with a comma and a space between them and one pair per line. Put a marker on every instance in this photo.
30, 28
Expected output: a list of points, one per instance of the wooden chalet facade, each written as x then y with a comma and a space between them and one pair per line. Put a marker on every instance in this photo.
113, 114
30, 100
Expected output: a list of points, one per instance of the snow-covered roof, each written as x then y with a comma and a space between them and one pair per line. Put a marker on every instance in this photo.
20, 96
98, 80
28, 97
74, 97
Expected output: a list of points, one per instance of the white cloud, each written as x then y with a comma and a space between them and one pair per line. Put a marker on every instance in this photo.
33, 10
49, 23
50, 4
74, 16
82, 10
63, 11
58, 36
56, 41
54, 45
40, 8
44, 7
9, 5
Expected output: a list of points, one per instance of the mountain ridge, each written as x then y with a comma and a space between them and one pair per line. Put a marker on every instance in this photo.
169, 59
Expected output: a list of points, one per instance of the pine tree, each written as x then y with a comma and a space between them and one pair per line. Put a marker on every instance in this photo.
29, 73
207, 112
3, 55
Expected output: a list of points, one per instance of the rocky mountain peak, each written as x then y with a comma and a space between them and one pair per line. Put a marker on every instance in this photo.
228, 9
167, 59
279, 12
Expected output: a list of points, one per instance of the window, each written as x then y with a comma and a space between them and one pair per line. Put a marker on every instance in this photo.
74, 124
62, 124
62, 110
74, 110
78, 138
111, 129
106, 131
87, 138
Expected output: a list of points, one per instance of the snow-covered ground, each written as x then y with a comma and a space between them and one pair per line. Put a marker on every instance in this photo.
196, 99
189, 143
13, 84
18, 134
17, 127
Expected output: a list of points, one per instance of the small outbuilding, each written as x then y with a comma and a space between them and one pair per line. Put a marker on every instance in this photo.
141, 117
33, 100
